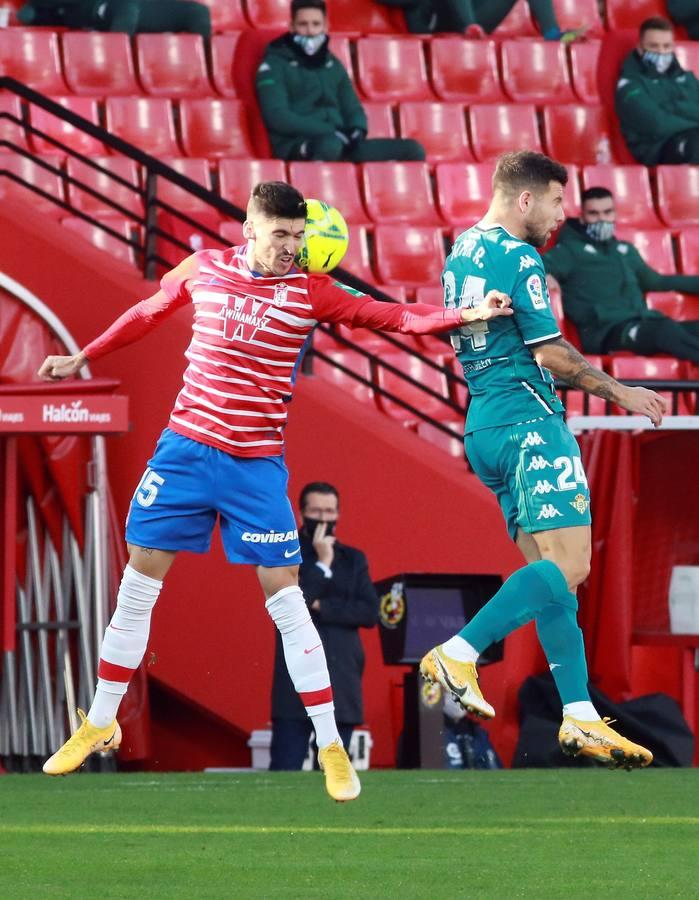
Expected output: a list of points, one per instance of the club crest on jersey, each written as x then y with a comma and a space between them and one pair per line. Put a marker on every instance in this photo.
580, 504
242, 318
280, 292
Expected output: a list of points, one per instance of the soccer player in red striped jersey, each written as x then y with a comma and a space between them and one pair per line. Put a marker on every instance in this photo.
221, 453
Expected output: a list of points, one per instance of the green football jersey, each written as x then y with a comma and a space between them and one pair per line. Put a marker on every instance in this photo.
506, 385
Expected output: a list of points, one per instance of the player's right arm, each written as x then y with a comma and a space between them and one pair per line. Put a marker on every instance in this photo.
132, 325
567, 364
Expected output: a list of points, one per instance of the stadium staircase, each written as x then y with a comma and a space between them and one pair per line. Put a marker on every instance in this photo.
146, 148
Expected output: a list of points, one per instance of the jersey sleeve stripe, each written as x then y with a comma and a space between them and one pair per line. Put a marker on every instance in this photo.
545, 337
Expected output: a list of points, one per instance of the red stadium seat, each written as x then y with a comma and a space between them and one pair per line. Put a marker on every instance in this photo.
227, 15
440, 127
379, 119
535, 72
464, 191
661, 368
143, 121
32, 57
425, 374
572, 14
625, 14
678, 195
575, 133
391, 68
364, 17
101, 239
655, 246
172, 65
64, 132
688, 246
687, 53
237, 177
11, 131
454, 446
583, 66
222, 53
232, 233
465, 70
340, 47
32, 173
574, 401
399, 192
517, 23
357, 260
500, 127
432, 294
631, 189
99, 64
333, 182
182, 200
356, 362
214, 128
102, 184
681, 307
409, 255
568, 330
268, 13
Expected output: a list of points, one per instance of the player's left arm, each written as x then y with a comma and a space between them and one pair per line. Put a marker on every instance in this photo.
355, 605
567, 364
336, 303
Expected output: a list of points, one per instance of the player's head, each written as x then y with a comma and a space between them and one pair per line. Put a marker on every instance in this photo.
530, 186
656, 42
319, 502
276, 219
598, 213
309, 18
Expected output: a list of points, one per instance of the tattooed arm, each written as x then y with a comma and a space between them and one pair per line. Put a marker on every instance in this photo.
565, 363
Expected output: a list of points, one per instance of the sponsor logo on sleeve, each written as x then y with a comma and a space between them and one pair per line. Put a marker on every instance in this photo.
535, 289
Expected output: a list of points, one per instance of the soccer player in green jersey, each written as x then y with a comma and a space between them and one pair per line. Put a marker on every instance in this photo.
520, 447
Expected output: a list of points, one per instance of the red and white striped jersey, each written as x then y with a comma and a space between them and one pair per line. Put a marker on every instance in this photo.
247, 335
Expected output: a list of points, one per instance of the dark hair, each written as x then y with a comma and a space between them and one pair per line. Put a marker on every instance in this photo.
524, 170
595, 193
317, 487
298, 5
655, 22
278, 200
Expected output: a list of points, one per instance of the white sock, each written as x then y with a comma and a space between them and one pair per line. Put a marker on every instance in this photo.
124, 644
305, 660
459, 649
582, 710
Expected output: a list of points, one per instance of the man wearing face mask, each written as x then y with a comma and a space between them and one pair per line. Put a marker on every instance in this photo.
342, 599
657, 101
603, 281
307, 101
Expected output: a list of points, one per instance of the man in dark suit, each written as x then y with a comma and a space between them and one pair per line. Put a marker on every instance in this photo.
342, 599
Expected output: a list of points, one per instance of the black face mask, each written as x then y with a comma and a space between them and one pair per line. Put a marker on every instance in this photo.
310, 525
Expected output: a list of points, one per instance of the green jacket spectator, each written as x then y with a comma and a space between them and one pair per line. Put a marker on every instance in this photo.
603, 284
128, 16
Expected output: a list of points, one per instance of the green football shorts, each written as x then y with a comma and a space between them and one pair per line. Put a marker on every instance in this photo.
535, 471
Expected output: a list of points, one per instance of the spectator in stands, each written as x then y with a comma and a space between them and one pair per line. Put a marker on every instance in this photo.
341, 598
603, 281
130, 16
685, 12
657, 101
307, 100
474, 17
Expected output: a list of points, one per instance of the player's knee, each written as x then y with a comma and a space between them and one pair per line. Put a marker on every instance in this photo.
409, 150
288, 609
575, 570
327, 148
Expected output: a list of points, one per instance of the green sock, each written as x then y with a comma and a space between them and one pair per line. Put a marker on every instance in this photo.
521, 598
562, 641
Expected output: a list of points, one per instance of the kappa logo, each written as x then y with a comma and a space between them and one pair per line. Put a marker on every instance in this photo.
538, 463
242, 319
526, 262
543, 487
549, 511
533, 439
511, 245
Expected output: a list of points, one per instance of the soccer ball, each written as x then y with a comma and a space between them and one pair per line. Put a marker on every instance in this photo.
325, 240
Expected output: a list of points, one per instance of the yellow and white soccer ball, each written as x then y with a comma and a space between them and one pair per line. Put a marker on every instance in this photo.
325, 240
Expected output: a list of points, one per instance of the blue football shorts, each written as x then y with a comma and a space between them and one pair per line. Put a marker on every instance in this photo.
187, 485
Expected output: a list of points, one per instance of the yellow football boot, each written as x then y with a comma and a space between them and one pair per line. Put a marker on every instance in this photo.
598, 741
460, 679
86, 740
341, 780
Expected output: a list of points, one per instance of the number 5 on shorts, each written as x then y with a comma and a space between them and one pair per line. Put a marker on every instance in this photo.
147, 489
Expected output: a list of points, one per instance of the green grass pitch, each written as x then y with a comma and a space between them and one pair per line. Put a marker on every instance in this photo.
419, 834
